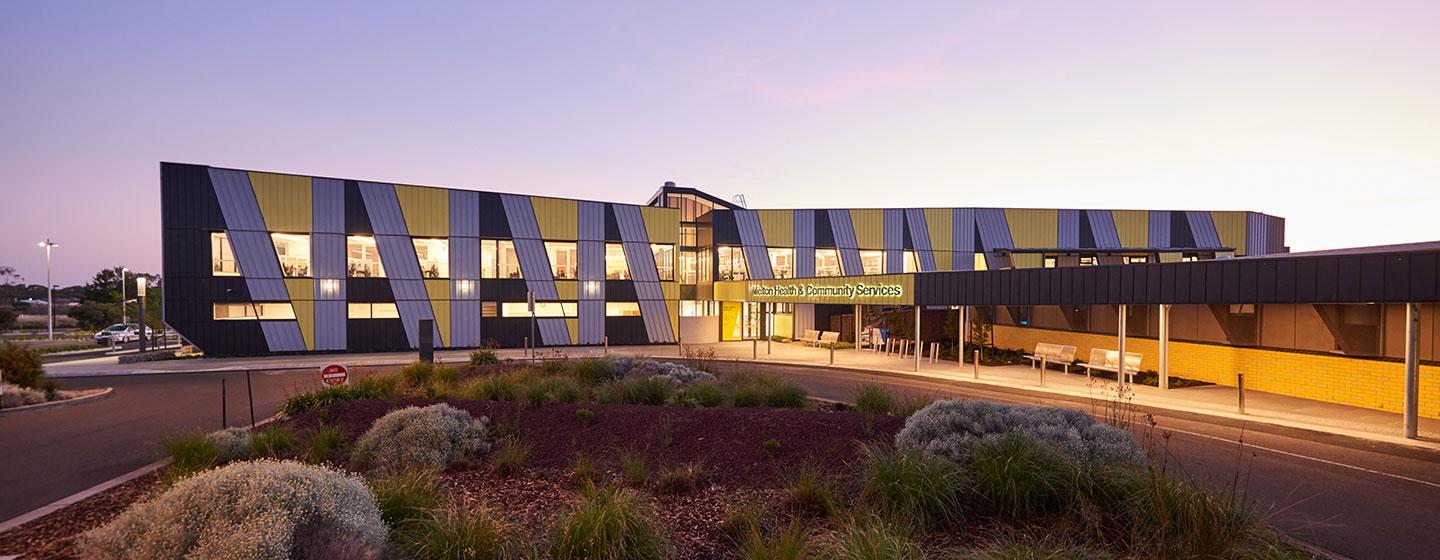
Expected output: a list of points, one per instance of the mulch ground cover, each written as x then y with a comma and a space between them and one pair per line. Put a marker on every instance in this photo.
729, 444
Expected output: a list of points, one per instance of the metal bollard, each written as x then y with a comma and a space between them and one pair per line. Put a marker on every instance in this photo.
1043, 366
977, 364
224, 422
250, 396
754, 348
1240, 385
832, 353
607, 346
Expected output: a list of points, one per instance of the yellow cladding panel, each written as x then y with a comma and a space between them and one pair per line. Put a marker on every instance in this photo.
284, 201
438, 290
673, 307
670, 290
1033, 228
881, 289
426, 209
573, 325
944, 260
940, 222
730, 320
778, 227
869, 226
662, 225
568, 290
1231, 227
1027, 260
441, 310
1133, 227
302, 291
559, 219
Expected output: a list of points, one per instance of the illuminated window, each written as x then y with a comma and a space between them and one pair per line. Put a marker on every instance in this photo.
434, 255
222, 257
980, 262
363, 258
542, 309
691, 207
912, 262
253, 311
616, 268
489, 309
1050, 261
1137, 260
498, 259
688, 236
1087, 261
699, 308
827, 262
372, 311
731, 262
872, 262
294, 253
782, 262
622, 309
562, 259
664, 261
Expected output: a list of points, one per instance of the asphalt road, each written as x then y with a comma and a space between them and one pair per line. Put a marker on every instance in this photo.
1357, 499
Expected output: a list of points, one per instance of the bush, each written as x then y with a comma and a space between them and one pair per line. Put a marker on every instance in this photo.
244, 510
456, 534
786, 395
190, 452
324, 445
496, 387
679, 480
272, 442
418, 374
381, 387
708, 395
509, 458
950, 428
755, 389
15, 395
406, 496
1023, 548
633, 469
428, 438
869, 538
552, 389
231, 444
592, 371
1175, 519
678, 375
772, 445
790, 543
484, 357
608, 523
810, 491
1022, 478
647, 391
742, 520
909, 487
874, 399
585, 415
22, 366
583, 473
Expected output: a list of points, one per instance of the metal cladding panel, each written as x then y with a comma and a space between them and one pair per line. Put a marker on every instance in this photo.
1032, 228
535, 267
426, 210
805, 317
464, 214
757, 262
920, 236
1230, 230
777, 227
1102, 226
662, 225
657, 321
327, 201
804, 262
641, 261
869, 224
521, 217
592, 322
237, 200
255, 253
1068, 229
631, 223
283, 336
1256, 234
804, 233
330, 328
1159, 228
845, 241
590, 221
383, 208
963, 230
963, 261
411, 312
465, 258
893, 239
1424, 281
1203, 226
552, 331
397, 255
555, 217
284, 201
748, 222
465, 324
327, 255
994, 232
591, 265
940, 223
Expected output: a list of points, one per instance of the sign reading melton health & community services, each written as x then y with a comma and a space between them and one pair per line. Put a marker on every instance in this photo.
892, 289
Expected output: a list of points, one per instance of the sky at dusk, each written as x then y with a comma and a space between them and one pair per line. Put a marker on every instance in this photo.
1325, 113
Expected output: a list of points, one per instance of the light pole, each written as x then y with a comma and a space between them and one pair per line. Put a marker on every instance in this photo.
49, 290
123, 320
140, 308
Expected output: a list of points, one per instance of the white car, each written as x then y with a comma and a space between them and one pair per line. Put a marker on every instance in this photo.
120, 333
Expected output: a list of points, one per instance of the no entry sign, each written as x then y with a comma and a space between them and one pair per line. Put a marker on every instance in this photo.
334, 374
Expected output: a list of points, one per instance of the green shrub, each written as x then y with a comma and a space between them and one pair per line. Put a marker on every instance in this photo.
1013, 547
788, 395
250, 509
583, 473
420, 374
1176, 519
756, 389
22, 366
951, 428
909, 487
272, 443
591, 371
231, 444
456, 534
324, 444
428, 438
772, 445
874, 399
647, 391
496, 387
585, 415
552, 389
380, 387
742, 520
1022, 478
633, 469
708, 395
870, 538
406, 496
190, 452
509, 457
680, 479
747, 396
483, 357
810, 491
608, 523
790, 543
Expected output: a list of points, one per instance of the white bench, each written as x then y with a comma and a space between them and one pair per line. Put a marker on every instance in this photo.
1109, 360
829, 338
810, 338
1052, 353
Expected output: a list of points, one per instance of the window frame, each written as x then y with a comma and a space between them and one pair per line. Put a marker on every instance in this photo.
444, 270
306, 268
350, 259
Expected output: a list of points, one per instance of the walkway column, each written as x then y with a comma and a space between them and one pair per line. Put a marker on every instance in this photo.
1164, 346
962, 334
1412, 370
857, 328
1120, 377
769, 325
917, 338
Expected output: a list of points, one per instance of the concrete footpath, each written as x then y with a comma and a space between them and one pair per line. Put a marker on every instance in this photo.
1213, 400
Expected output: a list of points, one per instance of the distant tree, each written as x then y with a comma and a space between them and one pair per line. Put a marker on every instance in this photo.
94, 315
8, 316
105, 286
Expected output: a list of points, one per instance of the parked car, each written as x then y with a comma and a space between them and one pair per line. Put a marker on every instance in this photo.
121, 333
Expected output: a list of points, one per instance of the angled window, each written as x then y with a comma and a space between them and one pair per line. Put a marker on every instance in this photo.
222, 257
872, 262
827, 262
498, 259
253, 311
731, 263
294, 253
782, 262
434, 256
362, 259
562, 259
664, 261
542, 309
622, 309
980, 263
372, 311
616, 268
912, 262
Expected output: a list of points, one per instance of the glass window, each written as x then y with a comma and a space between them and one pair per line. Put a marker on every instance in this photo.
434, 255
1087, 261
872, 262
1050, 261
704, 266
664, 261
294, 253
732, 263
252, 311
615, 266
562, 259
222, 257
487, 258
690, 206
622, 309
981, 265
505, 263
912, 262
699, 308
542, 309
782, 263
363, 258
372, 311
827, 262
688, 236
1137, 260
489, 309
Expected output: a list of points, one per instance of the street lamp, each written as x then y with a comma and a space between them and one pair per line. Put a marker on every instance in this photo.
49, 289
140, 308
123, 320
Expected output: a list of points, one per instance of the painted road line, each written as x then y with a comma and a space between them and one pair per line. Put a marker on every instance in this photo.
1307, 457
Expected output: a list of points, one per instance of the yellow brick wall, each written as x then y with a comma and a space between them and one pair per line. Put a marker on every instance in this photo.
1373, 384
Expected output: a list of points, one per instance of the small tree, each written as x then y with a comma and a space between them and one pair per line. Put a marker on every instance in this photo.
982, 327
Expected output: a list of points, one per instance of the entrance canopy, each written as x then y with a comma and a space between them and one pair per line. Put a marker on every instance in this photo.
878, 289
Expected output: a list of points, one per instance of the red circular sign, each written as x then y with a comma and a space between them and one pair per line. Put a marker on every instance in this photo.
334, 374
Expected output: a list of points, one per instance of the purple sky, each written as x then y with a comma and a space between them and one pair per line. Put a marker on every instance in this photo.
1325, 113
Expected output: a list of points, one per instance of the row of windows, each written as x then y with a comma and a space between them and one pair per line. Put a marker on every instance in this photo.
827, 263
498, 258
285, 311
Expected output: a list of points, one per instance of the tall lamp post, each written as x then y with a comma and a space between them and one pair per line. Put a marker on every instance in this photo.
49, 290
140, 318
123, 320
